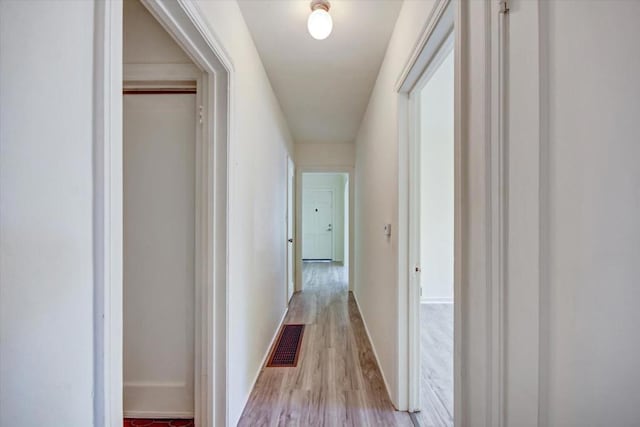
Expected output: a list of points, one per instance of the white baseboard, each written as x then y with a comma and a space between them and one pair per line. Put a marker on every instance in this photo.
157, 399
158, 415
263, 362
436, 300
373, 347
271, 343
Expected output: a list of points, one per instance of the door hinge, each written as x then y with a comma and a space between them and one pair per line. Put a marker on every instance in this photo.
200, 114
504, 6
420, 291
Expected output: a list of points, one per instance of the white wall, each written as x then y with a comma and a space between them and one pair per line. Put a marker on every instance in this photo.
46, 179
46, 202
144, 39
335, 182
257, 204
347, 233
376, 200
376, 257
570, 337
573, 235
324, 155
159, 147
589, 203
436, 185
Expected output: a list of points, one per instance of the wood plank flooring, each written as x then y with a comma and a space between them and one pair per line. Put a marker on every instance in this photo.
337, 381
436, 354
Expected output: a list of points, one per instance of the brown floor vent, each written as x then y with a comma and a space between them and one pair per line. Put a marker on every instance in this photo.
287, 349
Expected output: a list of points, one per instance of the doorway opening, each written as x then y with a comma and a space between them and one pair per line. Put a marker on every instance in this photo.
433, 208
162, 92
208, 70
290, 226
325, 221
430, 236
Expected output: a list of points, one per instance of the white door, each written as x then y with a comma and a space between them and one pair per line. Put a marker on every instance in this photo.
290, 228
159, 215
317, 224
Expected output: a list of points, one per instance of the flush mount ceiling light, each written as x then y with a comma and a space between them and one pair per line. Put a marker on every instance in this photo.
320, 23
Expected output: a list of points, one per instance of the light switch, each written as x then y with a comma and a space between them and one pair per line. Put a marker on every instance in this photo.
387, 229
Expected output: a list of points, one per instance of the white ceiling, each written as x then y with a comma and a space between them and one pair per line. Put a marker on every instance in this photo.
323, 85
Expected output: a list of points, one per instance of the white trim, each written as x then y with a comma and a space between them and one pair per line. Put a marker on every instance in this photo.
438, 56
287, 245
350, 171
158, 415
461, 124
373, 348
433, 62
497, 244
440, 33
172, 384
160, 72
289, 217
544, 315
524, 198
413, 250
423, 51
404, 134
183, 22
107, 207
263, 362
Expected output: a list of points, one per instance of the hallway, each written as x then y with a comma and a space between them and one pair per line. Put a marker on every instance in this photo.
337, 381
473, 165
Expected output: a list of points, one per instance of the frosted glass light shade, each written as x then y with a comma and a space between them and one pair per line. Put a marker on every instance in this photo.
320, 24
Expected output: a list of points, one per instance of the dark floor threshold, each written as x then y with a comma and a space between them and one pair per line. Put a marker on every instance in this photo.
414, 419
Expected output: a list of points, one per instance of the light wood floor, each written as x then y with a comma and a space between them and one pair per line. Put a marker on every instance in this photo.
337, 381
436, 357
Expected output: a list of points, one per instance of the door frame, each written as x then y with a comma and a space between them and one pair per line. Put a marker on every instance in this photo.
290, 218
414, 211
182, 20
480, 199
442, 29
349, 171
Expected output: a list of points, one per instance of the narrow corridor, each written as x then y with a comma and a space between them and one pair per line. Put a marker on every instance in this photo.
337, 381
